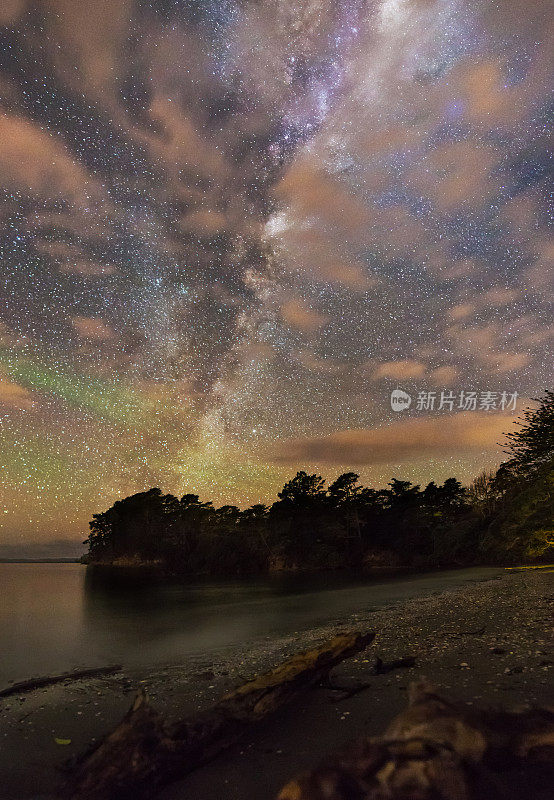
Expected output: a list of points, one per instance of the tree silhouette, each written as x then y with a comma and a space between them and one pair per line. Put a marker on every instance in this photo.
344, 489
521, 523
303, 489
506, 516
533, 445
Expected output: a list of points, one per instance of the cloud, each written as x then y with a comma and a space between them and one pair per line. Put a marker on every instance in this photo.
456, 174
312, 192
409, 369
72, 260
315, 363
444, 376
14, 396
92, 328
522, 211
499, 296
297, 314
461, 311
180, 146
462, 268
487, 345
413, 438
93, 43
204, 223
400, 370
423, 125
243, 156
9, 338
530, 337
474, 340
506, 362
87, 269
539, 276
34, 161
322, 203
496, 297
325, 216
10, 10
485, 92
310, 253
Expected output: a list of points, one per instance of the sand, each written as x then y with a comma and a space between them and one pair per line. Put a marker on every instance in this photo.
487, 643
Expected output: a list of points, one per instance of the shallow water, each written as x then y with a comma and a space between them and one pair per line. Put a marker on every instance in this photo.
56, 617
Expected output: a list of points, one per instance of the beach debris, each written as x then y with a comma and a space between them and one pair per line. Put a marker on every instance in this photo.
38, 683
381, 667
345, 688
477, 632
438, 750
348, 687
62, 741
143, 752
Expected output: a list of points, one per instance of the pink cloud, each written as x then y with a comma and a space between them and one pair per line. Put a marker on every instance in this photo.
309, 251
400, 370
507, 362
461, 311
413, 438
71, 260
32, 160
444, 376
10, 11
13, 395
92, 328
297, 314
456, 174
204, 222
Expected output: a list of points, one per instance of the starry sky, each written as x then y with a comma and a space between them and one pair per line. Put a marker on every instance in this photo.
230, 228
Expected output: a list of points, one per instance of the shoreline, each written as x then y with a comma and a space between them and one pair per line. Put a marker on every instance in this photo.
443, 631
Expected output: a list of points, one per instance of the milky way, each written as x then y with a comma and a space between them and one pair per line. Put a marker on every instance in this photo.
229, 229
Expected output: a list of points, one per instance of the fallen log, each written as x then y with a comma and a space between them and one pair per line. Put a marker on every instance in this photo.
144, 753
438, 750
48, 680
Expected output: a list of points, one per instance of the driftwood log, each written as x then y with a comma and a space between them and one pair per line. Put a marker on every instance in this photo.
144, 753
438, 750
49, 680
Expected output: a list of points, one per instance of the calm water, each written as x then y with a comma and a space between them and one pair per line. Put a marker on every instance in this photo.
56, 617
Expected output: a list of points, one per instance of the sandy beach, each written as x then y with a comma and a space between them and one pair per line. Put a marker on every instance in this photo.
488, 643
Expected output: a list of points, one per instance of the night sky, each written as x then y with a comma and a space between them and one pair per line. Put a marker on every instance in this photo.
228, 230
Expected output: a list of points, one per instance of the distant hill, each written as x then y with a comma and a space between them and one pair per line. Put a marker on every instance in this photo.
54, 550
39, 560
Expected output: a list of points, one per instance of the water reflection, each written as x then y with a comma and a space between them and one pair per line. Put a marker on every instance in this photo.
41, 619
56, 617
154, 620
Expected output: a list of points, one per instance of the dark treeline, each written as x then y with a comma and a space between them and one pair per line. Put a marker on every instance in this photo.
502, 516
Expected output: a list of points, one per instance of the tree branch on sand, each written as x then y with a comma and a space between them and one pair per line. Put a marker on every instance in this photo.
438, 750
143, 753
48, 680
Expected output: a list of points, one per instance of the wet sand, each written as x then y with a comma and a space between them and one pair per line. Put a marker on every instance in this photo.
488, 643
